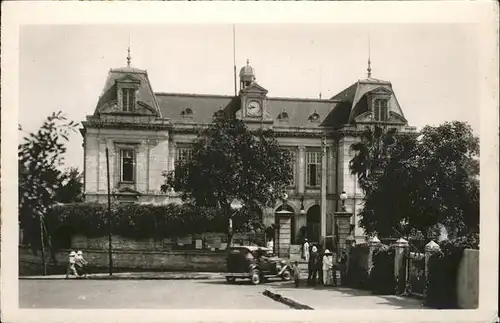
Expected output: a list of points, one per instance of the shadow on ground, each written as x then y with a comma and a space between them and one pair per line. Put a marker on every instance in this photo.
392, 300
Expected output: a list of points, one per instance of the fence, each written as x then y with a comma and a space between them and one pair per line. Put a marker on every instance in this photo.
443, 278
415, 273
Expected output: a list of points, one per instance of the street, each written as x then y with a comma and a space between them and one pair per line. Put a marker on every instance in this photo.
130, 294
190, 294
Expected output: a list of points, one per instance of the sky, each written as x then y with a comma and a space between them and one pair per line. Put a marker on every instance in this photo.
433, 67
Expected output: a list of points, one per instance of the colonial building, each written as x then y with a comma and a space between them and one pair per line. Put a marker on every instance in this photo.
144, 132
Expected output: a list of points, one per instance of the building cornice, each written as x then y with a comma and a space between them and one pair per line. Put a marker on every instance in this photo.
106, 124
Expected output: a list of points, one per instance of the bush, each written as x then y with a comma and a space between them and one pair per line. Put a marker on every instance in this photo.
382, 279
441, 289
136, 220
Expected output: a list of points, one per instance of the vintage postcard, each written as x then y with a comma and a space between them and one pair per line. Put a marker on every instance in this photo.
263, 161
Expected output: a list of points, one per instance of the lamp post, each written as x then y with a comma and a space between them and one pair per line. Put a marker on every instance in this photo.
302, 210
236, 205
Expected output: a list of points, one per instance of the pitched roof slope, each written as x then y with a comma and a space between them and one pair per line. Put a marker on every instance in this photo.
204, 106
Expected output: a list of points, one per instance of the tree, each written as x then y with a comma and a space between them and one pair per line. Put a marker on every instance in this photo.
370, 154
425, 181
71, 187
39, 157
230, 162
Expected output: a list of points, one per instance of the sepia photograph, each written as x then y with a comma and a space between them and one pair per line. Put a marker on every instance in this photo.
249, 166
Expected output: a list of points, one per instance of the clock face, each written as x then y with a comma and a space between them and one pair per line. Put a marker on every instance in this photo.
254, 109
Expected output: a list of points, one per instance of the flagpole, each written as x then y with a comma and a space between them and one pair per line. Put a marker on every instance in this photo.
234, 59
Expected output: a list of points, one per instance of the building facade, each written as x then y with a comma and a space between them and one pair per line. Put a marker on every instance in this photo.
145, 132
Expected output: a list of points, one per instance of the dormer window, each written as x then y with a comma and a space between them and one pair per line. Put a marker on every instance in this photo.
380, 109
283, 117
187, 113
314, 117
128, 100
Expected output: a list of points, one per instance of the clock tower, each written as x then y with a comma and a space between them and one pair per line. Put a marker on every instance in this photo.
253, 98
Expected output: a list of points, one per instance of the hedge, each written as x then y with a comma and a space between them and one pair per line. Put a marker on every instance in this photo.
141, 220
441, 289
357, 276
382, 280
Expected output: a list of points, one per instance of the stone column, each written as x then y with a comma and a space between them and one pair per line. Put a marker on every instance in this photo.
342, 222
374, 243
401, 247
430, 248
171, 156
302, 169
284, 234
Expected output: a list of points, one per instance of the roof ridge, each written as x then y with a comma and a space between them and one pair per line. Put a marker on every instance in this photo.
128, 70
193, 94
232, 96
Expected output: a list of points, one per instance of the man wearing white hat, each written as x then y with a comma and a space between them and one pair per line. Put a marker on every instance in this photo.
80, 262
71, 265
327, 267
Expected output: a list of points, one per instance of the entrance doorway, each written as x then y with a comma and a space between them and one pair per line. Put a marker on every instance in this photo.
313, 224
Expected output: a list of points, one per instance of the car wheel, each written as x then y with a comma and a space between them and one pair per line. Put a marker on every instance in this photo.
255, 278
230, 280
287, 275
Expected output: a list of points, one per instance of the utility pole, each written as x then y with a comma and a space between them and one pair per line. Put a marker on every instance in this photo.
109, 218
42, 246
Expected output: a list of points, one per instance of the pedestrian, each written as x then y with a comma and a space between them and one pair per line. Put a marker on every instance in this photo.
80, 264
270, 244
296, 273
327, 268
319, 266
71, 265
305, 250
311, 266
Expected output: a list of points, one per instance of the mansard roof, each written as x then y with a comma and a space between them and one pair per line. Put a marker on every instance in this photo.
203, 108
144, 93
353, 100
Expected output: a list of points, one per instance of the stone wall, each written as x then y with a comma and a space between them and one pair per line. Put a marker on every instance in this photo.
128, 260
468, 280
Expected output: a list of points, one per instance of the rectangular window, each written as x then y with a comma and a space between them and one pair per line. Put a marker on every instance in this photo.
293, 161
127, 165
128, 99
313, 178
183, 154
380, 109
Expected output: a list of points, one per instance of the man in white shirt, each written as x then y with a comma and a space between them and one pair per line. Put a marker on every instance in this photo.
327, 267
305, 250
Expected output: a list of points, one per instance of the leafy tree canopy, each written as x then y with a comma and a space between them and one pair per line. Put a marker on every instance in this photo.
231, 162
420, 181
40, 156
70, 189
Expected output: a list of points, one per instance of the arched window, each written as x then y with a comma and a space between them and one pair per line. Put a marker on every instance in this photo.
380, 109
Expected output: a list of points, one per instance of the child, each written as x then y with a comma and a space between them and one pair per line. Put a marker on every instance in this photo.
71, 265
80, 264
296, 273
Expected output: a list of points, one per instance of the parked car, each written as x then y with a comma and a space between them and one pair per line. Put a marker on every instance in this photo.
255, 263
